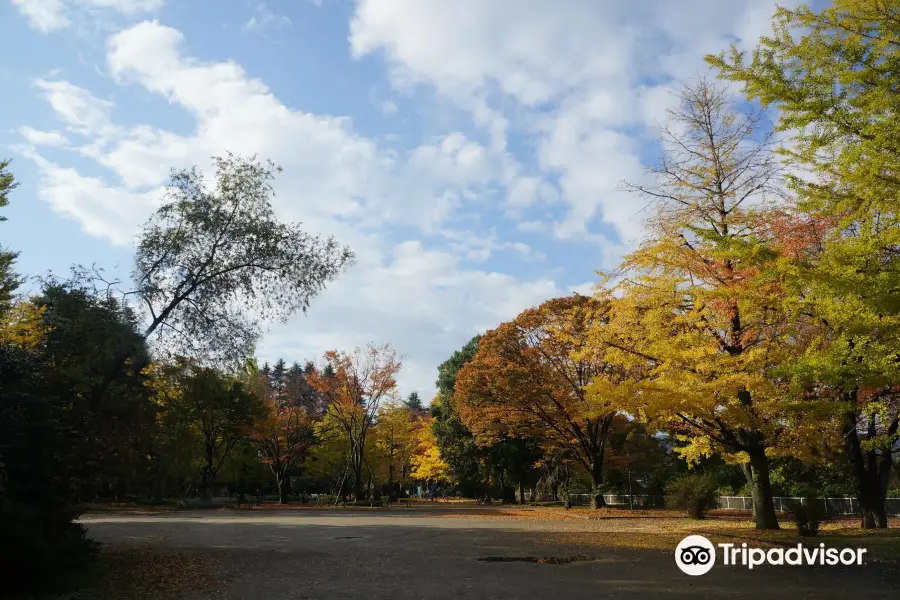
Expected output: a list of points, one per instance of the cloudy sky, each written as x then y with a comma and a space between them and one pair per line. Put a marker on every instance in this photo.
471, 152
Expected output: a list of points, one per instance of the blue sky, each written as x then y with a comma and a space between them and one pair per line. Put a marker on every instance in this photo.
471, 152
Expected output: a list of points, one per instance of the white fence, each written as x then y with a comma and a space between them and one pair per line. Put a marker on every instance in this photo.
640, 500
834, 506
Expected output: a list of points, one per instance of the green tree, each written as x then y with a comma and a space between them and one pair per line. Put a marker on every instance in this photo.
221, 410
85, 332
455, 442
58, 446
512, 463
214, 261
832, 74
505, 462
38, 476
9, 281
172, 455
278, 379
414, 402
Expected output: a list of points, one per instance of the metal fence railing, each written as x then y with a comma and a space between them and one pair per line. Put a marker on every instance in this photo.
640, 500
833, 506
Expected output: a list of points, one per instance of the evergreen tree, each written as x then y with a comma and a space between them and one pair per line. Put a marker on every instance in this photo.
414, 402
9, 281
278, 380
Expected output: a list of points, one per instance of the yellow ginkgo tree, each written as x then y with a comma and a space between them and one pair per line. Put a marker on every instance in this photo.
397, 435
427, 464
687, 309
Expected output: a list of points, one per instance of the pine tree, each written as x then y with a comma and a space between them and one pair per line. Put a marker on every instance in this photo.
414, 402
279, 380
9, 281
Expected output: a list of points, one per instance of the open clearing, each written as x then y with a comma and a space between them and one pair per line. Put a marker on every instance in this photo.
433, 552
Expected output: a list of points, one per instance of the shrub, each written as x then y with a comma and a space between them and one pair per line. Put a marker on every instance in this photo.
808, 514
694, 493
40, 548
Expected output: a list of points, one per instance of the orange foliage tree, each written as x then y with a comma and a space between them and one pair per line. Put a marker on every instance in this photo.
361, 380
529, 379
283, 438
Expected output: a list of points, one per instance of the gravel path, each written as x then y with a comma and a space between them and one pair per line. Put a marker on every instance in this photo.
417, 554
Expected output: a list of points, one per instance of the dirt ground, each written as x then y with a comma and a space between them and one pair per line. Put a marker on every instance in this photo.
436, 552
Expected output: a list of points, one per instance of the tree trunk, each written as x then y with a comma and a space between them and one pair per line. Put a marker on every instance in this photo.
280, 480
158, 485
358, 491
871, 470
871, 492
521, 493
208, 480
874, 518
757, 474
242, 485
597, 484
206, 485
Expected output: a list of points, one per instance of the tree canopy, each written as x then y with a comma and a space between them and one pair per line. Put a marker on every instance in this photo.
831, 75
214, 261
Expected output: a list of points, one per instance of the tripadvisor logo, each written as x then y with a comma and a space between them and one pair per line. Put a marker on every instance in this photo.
696, 555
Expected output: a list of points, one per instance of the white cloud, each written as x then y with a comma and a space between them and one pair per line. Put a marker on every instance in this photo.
585, 289
264, 18
335, 181
78, 108
38, 137
128, 7
532, 226
421, 300
522, 47
578, 84
389, 107
103, 211
52, 15
478, 247
585, 63
44, 15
